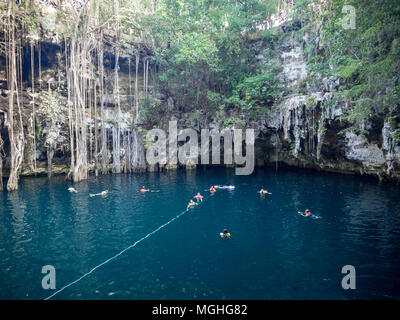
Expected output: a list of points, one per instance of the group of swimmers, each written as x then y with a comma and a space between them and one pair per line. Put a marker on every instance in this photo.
307, 213
103, 193
199, 198
212, 190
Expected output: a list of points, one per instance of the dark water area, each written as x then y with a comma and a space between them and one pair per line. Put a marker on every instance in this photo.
274, 253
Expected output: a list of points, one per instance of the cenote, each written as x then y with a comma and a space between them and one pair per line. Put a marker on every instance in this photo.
274, 253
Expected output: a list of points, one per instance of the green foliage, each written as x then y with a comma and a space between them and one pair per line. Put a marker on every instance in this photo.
195, 48
112, 121
238, 122
51, 117
348, 69
255, 93
368, 56
397, 135
151, 111
205, 59
361, 111
193, 117
52, 107
359, 115
311, 102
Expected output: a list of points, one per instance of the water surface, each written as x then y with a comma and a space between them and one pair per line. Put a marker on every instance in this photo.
273, 253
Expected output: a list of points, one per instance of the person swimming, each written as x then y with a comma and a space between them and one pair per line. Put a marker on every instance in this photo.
191, 204
198, 197
72, 189
225, 234
212, 189
143, 190
227, 187
262, 191
307, 213
103, 194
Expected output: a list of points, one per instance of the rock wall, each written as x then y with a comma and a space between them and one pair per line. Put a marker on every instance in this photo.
306, 128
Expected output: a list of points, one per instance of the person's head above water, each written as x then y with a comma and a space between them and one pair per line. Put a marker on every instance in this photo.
225, 231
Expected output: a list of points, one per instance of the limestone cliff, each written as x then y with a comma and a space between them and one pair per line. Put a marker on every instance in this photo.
303, 128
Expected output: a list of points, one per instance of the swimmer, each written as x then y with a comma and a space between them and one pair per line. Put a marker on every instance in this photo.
225, 234
212, 189
103, 194
71, 189
262, 191
191, 204
143, 190
306, 213
198, 197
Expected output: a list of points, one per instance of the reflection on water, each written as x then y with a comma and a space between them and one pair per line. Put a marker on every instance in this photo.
274, 253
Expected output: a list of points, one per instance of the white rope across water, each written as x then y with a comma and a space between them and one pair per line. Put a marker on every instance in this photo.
118, 254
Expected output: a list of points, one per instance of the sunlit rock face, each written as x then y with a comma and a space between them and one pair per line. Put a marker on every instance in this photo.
306, 128
359, 149
294, 67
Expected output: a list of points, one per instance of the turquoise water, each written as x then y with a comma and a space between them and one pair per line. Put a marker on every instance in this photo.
273, 253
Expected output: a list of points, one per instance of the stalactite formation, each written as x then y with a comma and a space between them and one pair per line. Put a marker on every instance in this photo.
101, 76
